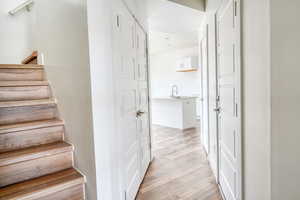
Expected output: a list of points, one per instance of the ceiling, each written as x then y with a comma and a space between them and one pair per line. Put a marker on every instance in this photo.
172, 25
213, 5
161, 42
196, 4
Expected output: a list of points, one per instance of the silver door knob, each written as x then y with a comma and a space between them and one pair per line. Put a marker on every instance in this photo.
217, 109
139, 113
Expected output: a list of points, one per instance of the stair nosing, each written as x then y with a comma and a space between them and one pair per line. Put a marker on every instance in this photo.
5, 129
31, 153
73, 179
23, 83
8, 104
20, 66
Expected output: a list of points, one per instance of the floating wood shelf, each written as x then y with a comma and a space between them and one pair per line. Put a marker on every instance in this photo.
186, 70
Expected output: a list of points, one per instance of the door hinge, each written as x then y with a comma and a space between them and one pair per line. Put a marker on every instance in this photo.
118, 21
218, 98
146, 51
235, 8
236, 109
218, 35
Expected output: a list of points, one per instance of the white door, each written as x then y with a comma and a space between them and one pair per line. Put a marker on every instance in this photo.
128, 97
205, 114
143, 100
229, 92
131, 70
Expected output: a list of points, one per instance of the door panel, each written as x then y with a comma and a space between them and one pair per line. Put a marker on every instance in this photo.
132, 96
143, 104
127, 100
228, 89
228, 177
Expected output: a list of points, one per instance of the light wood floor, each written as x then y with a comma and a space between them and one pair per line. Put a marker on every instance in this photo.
180, 170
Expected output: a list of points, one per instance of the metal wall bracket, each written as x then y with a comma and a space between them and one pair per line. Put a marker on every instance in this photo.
26, 5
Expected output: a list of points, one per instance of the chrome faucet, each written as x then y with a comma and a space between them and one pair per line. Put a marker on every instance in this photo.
174, 92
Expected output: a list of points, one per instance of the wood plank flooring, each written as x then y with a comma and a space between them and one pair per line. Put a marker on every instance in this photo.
180, 170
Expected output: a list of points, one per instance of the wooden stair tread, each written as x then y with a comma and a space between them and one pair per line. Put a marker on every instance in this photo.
6, 104
42, 186
23, 83
31, 153
35, 162
21, 66
30, 125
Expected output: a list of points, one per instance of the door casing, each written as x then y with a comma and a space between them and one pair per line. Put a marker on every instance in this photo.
205, 91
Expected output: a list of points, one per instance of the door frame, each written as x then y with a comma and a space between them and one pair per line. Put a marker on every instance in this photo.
238, 38
148, 88
202, 88
149, 96
205, 39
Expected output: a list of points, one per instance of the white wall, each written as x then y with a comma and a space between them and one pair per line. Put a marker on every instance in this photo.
100, 45
285, 44
163, 73
16, 33
62, 36
256, 96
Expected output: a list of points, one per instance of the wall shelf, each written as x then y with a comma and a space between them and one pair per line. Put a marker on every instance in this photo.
187, 64
187, 70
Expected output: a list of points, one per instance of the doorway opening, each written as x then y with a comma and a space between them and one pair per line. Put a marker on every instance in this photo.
178, 74
178, 89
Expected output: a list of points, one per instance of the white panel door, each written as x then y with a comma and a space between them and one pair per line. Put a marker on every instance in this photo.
205, 115
229, 92
128, 97
143, 100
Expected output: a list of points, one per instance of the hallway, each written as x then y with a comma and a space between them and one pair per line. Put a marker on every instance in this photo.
180, 170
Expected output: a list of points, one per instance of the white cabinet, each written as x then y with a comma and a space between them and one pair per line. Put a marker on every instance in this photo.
177, 113
187, 64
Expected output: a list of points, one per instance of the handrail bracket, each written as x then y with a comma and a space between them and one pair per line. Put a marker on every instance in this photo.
26, 5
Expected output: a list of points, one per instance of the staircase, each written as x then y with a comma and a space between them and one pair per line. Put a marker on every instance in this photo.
35, 161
